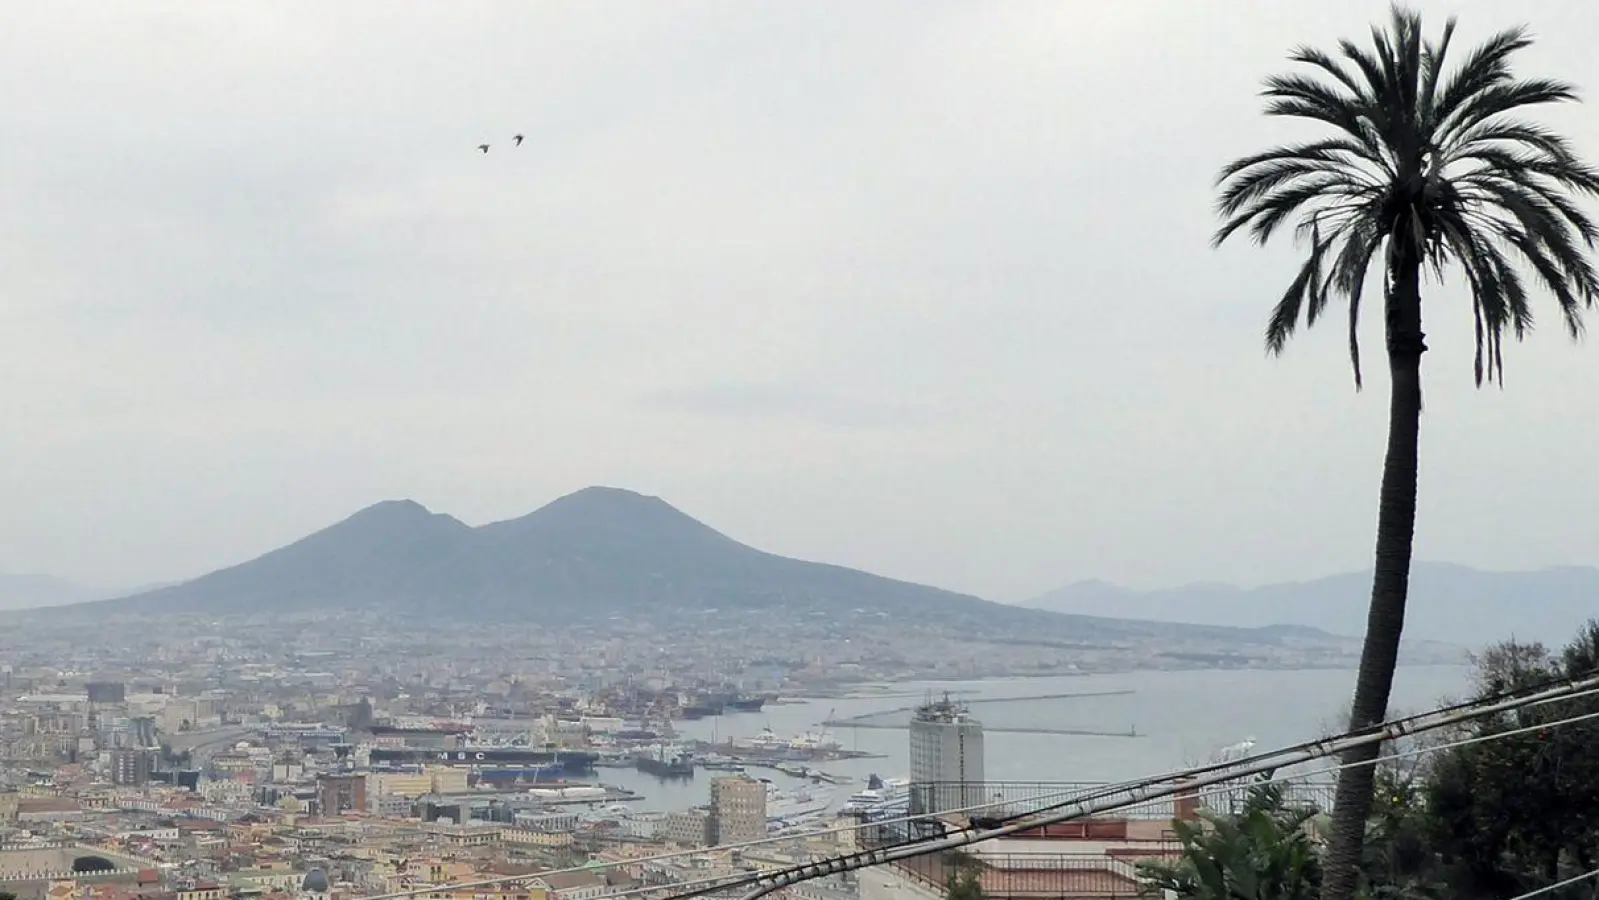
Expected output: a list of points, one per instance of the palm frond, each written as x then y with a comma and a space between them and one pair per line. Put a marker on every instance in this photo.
1498, 132
1483, 67
1552, 271
1286, 314
1432, 61
1546, 229
1349, 279
1501, 98
1457, 234
1311, 56
1301, 97
1403, 61
1251, 185
1265, 215
1336, 151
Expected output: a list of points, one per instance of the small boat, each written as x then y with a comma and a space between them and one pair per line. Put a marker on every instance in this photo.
719, 763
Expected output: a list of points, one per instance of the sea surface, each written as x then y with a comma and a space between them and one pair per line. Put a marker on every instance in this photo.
1180, 719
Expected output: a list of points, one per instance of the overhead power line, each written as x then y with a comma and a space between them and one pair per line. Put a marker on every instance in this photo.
701, 851
1230, 788
1093, 806
1536, 693
1222, 788
1549, 888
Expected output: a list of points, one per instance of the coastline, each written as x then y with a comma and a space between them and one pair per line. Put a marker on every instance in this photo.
886, 690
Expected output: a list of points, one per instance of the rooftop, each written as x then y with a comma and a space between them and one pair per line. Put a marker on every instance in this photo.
944, 712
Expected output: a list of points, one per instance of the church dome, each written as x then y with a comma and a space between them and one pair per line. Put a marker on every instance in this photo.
316, 882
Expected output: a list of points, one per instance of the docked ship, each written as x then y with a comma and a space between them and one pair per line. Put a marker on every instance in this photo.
719, 763
785, 807
499, 776
665, 762
878, 794
569, 793
718, 703
746, 704
700, 709
548, 763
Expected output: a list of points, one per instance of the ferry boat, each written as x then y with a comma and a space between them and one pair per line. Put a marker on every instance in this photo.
793, 806
878, 793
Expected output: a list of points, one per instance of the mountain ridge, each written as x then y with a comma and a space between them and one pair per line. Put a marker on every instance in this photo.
1448, 602
399, 548
595, 553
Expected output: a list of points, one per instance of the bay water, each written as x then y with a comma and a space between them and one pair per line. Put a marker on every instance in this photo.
1179, 718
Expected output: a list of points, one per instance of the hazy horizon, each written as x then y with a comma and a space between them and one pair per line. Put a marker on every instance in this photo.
920, 288
121, 590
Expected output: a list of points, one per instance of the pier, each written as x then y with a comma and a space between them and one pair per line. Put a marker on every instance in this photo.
897, 718
987, 729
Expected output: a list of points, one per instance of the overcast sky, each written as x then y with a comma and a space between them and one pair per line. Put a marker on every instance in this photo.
918, 287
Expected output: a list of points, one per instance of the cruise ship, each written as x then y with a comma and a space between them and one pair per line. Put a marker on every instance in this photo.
878, 793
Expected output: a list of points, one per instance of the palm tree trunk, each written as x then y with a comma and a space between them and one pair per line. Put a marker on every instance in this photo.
1385, 619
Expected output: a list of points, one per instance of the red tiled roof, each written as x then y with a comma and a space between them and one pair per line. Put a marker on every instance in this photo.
47, 804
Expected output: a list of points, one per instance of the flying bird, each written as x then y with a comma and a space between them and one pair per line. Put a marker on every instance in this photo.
518, 139
483, 147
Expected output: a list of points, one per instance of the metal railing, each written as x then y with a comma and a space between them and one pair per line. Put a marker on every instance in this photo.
1109, 848
1029, 876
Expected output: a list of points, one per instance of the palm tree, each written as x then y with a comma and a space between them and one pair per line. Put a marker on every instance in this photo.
1424, 170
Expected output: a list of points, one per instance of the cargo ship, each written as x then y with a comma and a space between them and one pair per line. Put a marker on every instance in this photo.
663, 762
724, 703
553, 762
700, 710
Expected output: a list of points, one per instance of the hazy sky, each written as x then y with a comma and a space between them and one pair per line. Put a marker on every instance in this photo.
919, 287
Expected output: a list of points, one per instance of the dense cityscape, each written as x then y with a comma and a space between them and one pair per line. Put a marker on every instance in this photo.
271, 730
313, 780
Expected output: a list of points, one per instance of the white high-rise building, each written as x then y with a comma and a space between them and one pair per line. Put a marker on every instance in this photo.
946, 757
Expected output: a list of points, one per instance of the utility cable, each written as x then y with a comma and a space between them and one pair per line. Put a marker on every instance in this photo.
1575, 879
1079, 809
1220, 786
1512, 699
708, 886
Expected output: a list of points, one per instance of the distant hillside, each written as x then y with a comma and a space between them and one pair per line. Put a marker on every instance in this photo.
29, 591
596, 553
1448, 603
